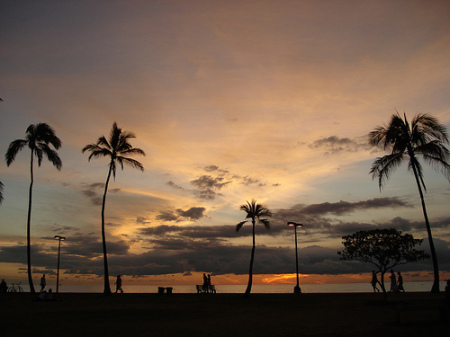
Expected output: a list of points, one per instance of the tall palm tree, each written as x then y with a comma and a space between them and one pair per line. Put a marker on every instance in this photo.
255, 212
425, 137
39, 138
117, 148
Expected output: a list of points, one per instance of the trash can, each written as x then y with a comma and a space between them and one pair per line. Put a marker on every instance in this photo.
160, 290
169, 290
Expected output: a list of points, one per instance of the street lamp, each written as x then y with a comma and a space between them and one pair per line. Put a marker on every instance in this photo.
59, 238
297, 289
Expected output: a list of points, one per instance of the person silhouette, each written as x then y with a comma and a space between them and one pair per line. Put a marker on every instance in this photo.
3, 286
43, 283
400, 282
118, 284
205, 283
374, 282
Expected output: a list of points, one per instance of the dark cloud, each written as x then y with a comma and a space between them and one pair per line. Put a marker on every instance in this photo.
334, 144
210, 182
172, 184
58, 229
344, 207
215, 168
95, 191
176, 250
194, 232
142, 220
207, 186
252, 181
192, 214
167, 216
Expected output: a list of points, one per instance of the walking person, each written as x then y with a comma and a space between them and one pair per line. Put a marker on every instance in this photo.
374, 282
393, 282
118, 284
43, 283
400, 282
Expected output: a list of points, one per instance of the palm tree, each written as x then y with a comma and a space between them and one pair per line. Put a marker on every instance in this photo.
39, 138
254, 212
117, 148
425, 137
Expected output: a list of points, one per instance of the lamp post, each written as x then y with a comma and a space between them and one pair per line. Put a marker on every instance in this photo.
59, 238
297, 289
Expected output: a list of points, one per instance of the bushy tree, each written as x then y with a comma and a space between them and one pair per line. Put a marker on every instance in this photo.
383, 248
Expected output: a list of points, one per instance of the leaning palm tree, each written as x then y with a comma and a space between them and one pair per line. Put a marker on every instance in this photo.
254, 212
425, 137
117, 148
39, 138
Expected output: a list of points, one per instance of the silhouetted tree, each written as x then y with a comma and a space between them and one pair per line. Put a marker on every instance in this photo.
384, 248
39, 138
425, 137
117, 148
255, 212
1, 192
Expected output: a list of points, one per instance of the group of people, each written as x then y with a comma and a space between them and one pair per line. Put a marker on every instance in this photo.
206, 282
396, 282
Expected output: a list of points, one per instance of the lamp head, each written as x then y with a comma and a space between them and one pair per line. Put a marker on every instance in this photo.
294, 224
60, 238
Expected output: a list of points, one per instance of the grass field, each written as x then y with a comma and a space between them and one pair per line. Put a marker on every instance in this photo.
217, 315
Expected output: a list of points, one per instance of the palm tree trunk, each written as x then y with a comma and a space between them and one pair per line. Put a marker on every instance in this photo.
107, 288
30, 197
435, 288
252, 258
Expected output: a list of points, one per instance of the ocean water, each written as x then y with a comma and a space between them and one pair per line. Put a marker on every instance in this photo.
256, 289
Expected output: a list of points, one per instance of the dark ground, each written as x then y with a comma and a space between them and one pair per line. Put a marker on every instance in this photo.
218, 315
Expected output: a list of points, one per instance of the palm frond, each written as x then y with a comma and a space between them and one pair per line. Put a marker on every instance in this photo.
430, 126
14, 147
265, 222
52, 156
102, 141
39, 154
438, 163
133, 151
378, 135
133, 163
383, 166
239, 225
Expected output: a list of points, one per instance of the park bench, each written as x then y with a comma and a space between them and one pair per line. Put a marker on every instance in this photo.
433, 305
167, 290
210, 289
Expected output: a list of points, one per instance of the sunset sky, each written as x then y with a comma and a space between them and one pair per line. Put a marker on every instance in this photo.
231, 101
